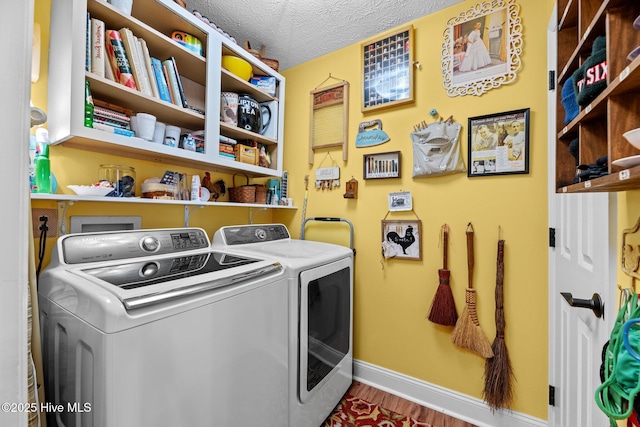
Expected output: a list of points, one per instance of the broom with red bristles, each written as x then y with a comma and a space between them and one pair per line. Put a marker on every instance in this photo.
443, 308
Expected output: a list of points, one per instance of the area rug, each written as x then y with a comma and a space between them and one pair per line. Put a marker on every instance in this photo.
356, 412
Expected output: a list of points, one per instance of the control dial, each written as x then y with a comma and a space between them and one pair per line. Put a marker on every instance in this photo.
149, 269
149, 244
261, 234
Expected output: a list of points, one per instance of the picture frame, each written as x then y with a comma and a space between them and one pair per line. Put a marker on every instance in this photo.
381, 165
403, 239
481, 48
499, 144
387, 69
400, 201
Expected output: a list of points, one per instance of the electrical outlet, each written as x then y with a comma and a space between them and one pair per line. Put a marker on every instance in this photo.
52, 221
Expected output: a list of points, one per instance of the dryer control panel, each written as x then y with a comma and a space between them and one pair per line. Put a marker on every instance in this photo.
243, 234
92, 247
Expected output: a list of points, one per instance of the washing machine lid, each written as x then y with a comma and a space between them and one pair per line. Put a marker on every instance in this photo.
274, 241
145, 282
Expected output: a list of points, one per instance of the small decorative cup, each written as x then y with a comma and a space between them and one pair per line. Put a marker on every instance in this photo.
172, 136
229, 108
146, 126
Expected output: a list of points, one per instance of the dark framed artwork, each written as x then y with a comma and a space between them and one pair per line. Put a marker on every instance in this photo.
381, 165
499, 144
387, 70
403, 239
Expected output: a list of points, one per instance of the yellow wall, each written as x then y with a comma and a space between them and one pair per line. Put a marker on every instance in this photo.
392, 297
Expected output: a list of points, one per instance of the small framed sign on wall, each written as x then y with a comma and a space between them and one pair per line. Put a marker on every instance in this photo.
381, 165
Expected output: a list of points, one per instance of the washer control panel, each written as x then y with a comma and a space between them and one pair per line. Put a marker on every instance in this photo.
244, 234
92, 247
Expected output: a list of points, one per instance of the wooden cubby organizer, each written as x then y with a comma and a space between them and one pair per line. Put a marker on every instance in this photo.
154, 21
600, 125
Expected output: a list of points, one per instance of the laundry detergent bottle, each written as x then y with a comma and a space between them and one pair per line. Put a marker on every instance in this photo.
41, 163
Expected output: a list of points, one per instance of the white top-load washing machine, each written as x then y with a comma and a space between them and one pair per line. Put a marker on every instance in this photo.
320, 279
154, 328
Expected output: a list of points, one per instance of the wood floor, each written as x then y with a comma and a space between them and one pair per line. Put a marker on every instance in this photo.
404, 407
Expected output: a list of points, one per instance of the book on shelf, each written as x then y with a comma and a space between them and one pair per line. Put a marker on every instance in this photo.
108, 71
97, 47
166, 77
163, 88
105, 112
147, 62
113, 107
111, 122
176, 84
130, 45
227, 156
118, 59
143, 69
111, 129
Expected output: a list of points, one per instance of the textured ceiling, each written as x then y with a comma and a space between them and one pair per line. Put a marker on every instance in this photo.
296, 31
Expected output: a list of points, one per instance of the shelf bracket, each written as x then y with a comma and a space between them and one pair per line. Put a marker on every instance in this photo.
63, 206
251, 213
187, 213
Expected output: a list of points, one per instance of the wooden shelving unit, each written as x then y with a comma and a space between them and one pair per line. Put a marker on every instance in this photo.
600, 125
154, 21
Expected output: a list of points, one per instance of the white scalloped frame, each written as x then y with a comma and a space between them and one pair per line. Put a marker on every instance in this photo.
514, 44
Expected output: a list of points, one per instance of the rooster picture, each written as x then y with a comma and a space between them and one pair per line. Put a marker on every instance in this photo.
404, 241
215, 188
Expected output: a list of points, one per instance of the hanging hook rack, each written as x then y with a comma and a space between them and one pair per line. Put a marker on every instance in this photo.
328, 154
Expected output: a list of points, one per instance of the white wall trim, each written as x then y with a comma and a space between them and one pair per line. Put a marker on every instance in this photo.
454, 404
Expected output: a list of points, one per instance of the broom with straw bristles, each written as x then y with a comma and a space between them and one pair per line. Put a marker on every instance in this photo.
498, 375
467, 333
443, 308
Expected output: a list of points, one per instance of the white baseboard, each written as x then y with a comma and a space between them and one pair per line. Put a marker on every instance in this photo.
454, 404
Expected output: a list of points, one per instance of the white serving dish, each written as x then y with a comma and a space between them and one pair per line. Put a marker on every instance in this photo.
628, 162
90, 190
633, 136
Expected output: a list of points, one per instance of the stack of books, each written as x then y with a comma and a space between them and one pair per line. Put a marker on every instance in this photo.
112, 118
120, 56
226, 147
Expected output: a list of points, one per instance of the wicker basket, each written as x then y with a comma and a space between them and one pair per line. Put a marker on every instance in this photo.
243, 193
261, 193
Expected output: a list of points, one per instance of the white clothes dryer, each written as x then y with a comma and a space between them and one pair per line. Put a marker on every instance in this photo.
151, 328
320, 277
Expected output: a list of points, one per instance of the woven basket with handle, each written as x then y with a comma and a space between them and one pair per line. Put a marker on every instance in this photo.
243, 193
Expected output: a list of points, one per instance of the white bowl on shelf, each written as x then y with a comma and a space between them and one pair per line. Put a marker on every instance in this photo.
633, 136
90, 190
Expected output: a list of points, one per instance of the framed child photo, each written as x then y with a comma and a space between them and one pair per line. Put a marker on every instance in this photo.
499, 144
481, 48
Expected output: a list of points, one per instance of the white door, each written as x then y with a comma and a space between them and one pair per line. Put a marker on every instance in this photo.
582, 264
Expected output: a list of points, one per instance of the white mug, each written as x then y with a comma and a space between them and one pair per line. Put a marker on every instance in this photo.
146, 124
158, 134
172, 136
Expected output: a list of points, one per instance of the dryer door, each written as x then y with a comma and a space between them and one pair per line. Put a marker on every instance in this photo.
325, 325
